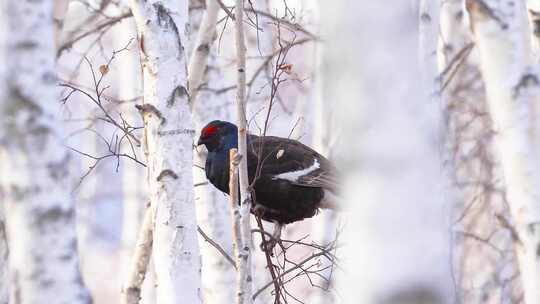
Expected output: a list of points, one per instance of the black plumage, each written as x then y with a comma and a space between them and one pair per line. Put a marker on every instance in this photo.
291, 180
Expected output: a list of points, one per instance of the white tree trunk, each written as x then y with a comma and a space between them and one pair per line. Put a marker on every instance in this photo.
534, 18
4, 252
60, 11
245, 278
428, 43
501, 34
389, 155
204, 71
201, 51
35, 172
128, 75
168, 137
137, 269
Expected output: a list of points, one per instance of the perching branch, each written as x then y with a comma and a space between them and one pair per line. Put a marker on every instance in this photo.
244, 264
235, 159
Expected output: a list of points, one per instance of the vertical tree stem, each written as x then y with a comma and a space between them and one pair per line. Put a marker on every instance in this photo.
244, 265
131, 293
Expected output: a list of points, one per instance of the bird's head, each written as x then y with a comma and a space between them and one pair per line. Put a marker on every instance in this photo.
219, 134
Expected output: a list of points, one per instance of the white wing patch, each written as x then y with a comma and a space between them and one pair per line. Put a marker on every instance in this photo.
294, 175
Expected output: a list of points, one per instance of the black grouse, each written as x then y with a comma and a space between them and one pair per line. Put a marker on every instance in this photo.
290, 180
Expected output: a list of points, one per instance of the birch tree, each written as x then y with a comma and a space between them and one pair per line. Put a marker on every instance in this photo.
500, 31
245, 278
205, 71
428, 43
60, 11
35, 173
4, 270
137, 281
534, 18
168, 139
397, 219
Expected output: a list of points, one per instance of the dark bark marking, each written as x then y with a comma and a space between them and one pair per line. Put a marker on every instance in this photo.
526, 81
177, 131
412, 294
204, 48
26, 45
53, 215
147, 108
166, 172
180, 92
479, 9
426, 18
59, 170
165, 20
30, 133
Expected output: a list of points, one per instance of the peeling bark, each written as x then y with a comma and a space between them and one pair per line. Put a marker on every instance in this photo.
168, 139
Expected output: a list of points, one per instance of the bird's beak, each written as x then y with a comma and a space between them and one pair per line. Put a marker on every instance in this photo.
200, 142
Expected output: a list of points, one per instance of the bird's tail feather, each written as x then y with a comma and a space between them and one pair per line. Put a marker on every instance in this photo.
329, 201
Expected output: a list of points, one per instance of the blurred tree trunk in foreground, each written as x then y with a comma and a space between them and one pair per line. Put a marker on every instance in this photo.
4, 252
502, 36
35, 173
396, 238
168, 140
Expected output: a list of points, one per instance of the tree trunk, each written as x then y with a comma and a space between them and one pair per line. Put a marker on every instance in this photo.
428, 43
389, 155
35, 172
213, 215
534, 18
501, 34
4, 252
245, 278
168, 137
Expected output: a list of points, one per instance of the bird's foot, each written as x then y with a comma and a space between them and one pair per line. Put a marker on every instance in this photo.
258, 210
269, 245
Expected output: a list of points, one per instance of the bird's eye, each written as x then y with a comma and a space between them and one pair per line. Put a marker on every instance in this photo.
209, 131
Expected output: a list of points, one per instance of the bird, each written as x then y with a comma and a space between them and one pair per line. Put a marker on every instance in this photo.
289, 180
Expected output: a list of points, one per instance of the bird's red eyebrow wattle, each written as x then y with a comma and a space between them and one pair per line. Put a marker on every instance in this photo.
209, 131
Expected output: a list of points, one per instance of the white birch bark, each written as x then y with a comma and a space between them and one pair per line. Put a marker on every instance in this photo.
35, 173
388, 153
501, 34
128, 73
4, 252
213, 215
201, 51
168, 136
453, 35
60, 11
429, 17
138, 263
534, 19
245, 278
